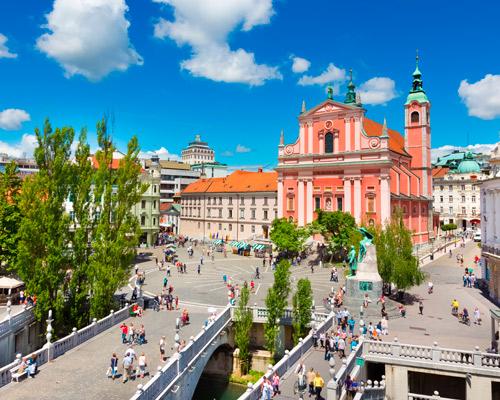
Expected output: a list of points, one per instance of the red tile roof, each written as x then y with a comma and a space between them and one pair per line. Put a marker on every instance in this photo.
239, 181
439, 172
396, 140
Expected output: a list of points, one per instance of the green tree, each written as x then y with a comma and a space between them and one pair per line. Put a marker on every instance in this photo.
10, 215
116, 228
287, 237
43, 258
302, 302
276, 302
339, 230
243, 320
396, 262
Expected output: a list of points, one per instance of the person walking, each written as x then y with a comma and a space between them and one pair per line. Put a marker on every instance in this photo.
127, 367
477, 316
310, 381
421, 307
142, 365
162, 349
124, 329
276, 384
318, 385
114, 366
199, 269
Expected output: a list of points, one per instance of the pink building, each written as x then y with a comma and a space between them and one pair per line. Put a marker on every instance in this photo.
345, 161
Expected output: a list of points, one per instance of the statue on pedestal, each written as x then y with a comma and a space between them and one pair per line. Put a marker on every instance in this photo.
353, 261
364, 243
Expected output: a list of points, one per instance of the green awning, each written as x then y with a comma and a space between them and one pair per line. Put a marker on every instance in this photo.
234, 243
258, 247
217, 241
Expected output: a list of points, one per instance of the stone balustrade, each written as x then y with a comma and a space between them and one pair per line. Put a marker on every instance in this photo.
61, 346
166, 377
15, 322
288, 360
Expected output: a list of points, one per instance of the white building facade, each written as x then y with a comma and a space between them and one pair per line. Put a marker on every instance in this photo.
198, 152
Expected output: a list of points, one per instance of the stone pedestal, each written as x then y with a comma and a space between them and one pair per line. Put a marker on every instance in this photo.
366, 281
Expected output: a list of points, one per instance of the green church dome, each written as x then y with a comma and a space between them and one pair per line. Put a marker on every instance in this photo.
468, 165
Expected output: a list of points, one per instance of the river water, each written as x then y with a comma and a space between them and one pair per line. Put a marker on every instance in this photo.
216, 389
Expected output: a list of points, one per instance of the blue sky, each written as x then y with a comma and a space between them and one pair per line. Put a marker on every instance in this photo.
169, 69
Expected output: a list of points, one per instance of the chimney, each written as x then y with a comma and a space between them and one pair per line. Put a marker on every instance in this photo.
260, 169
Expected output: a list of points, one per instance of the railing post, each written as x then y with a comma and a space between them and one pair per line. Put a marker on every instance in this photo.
436, 395
48, 345
74, 338
331, 386
112, 314
287, 356
395, 348
436, 353
94, 326
477, 358
139, 390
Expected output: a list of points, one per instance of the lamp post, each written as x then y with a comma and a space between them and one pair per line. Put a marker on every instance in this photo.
9, 303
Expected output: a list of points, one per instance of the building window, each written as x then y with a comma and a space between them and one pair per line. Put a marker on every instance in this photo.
220, 212
328, 204
220, 201
441, 187
143, 220
209, 211
329, 142
242, 228
154, 188
463, 210
154, 221
253, 201
143, 204
473, 199
415, 117
441, 210
154, 204
230, 201
253, 213
370, 204
450, 188
208, 200
208, 225
72, 215
253, 228
289, 203
265, 214
317, 203
199, 224
265, 201
463, 199
463, 187
450, 199
230, 227
440, 199
339, 204
275, 214
451, 210
230, 215
242, 213
242, 201
473, 210
220, 227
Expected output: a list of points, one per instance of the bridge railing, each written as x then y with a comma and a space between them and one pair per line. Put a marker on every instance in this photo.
260, 315
166, 377
289, 359
74, 339
17, 321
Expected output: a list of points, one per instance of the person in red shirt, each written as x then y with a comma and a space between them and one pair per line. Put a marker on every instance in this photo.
124, 329
252, 285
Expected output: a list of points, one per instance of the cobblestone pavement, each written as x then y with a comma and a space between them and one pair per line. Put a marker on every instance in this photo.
80, 373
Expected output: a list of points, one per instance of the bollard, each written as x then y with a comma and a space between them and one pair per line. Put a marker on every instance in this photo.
139, 390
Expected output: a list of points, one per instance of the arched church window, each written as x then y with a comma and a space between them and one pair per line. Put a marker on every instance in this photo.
329, 142
415, 117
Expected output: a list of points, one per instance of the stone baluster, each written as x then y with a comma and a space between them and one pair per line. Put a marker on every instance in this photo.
139, 390
94, 327
74, 337
331, 386
287, 356
436, 395
48, 345
112, 314
9, 304
436, 352
395, 348
477, 357
249, 387
301, 347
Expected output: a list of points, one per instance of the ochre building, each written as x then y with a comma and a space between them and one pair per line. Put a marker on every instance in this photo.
343, 160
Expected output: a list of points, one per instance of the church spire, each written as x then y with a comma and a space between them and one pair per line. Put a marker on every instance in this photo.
303, 110
385, 132
417, 92
282, 138
350, 97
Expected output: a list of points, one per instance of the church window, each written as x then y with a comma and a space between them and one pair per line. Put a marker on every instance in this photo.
339, 204
370, 204
289, 203
415, 117
329, 142
317, 203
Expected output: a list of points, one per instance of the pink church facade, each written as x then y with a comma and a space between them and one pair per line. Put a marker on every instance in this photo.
343, 160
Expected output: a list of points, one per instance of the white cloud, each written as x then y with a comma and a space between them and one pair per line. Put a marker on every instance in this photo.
4, 50
378, 90
24, 148
162, 152
300, 65
447, 149
227, 153
482, 98
89, 37
205, 26
332, 75
242, 149
12, 118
